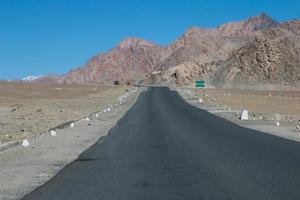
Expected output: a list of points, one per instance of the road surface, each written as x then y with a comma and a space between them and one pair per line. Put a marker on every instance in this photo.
166, 149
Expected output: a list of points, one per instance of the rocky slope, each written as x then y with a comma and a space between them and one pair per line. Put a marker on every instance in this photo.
267, 53
271, 58
258, 49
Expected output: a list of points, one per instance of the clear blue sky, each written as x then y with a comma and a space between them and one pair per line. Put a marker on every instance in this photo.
54, 36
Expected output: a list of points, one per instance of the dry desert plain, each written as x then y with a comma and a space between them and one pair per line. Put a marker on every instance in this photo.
271, 104
29, 109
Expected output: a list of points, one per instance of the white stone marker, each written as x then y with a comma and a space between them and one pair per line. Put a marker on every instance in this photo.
244, 115
298, 125
277, 124
53, 133
25, 143
72, 125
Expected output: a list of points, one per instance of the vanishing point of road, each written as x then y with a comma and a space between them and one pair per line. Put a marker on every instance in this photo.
166, 149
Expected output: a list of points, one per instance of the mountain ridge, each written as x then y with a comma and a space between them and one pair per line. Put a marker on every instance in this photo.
134, 60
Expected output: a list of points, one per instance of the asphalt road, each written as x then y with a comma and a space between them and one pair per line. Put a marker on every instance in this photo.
164, 148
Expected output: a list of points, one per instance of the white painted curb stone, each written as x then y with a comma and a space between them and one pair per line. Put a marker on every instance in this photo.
200, 100
72, 125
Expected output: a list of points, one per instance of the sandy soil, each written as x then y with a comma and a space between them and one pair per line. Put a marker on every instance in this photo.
28, 109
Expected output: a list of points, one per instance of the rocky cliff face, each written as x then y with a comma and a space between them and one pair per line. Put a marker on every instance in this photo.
258, 49
272, 57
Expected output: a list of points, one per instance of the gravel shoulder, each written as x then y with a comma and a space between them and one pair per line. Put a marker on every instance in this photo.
265, 121
25, 168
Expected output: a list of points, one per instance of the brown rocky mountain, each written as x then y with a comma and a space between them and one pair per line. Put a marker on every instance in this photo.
258, 49
263, 21
212, 44
131, 60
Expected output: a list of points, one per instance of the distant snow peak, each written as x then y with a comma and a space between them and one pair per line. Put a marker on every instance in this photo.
32, 78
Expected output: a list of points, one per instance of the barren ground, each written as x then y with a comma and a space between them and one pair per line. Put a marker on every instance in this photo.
266, 108
25, 168
28, 109
267, 102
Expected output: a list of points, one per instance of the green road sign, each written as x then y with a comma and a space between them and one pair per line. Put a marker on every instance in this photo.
200, 84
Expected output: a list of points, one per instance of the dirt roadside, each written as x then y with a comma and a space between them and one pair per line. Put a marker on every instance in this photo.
25, 168
266, 108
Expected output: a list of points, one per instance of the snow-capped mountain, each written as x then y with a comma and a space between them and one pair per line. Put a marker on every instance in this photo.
32, 78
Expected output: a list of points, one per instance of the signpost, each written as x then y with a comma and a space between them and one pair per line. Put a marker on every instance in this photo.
200, 84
